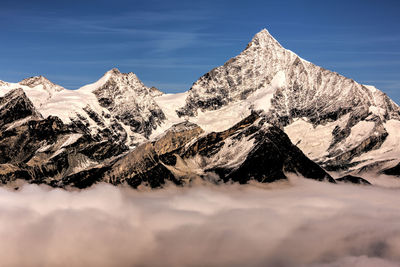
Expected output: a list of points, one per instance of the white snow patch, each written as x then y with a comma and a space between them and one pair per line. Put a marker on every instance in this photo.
37, 94
58, 152
359, 132
372, 88
18, 123
169, 103
44, 148
313, 141
390, 149
233, 153
71, 139
377, 111
93, 86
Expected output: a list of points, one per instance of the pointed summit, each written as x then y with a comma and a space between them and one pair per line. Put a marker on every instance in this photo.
128, 99
117, 74
264, 39
240, 76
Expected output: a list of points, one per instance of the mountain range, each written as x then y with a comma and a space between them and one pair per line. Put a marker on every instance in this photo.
263, 114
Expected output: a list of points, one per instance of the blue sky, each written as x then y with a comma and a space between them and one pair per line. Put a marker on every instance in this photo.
170, 44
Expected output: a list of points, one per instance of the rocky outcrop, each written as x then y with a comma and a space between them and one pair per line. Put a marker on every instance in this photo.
352, 179
250, 150
130, 101
15, 106
146, 165
395, 171
43, 150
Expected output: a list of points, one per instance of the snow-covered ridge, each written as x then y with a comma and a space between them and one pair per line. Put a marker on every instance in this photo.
39, 89
118, 105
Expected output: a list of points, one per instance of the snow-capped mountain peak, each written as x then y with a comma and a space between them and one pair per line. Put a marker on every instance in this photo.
43, 82
117, 81
300, 96
38, 88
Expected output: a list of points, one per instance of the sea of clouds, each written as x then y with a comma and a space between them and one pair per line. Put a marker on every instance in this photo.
296, 223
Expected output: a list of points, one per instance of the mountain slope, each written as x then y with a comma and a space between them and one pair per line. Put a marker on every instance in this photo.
44, 150
250, 150
304, 99
38, 89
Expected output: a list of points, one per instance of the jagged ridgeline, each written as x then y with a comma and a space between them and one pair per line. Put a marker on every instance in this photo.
263, 114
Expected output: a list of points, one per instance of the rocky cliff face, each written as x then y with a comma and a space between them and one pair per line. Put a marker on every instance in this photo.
250, 150
130, 101
44, 150
16, 106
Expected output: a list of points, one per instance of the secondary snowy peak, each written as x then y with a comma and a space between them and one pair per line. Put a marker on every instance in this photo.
43, 82
38, 89
129, 100
117, 107
124, 82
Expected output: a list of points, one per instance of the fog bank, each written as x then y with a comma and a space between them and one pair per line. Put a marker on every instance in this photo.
301, 223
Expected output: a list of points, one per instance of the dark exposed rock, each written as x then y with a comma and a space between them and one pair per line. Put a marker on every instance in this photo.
395, 171
144, 165
343, 160
373, 167
9, 172
43, 150
353, 179
83, 179
94, 116
15, 106
272, 154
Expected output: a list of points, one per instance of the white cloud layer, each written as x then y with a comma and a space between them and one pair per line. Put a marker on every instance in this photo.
304, 223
